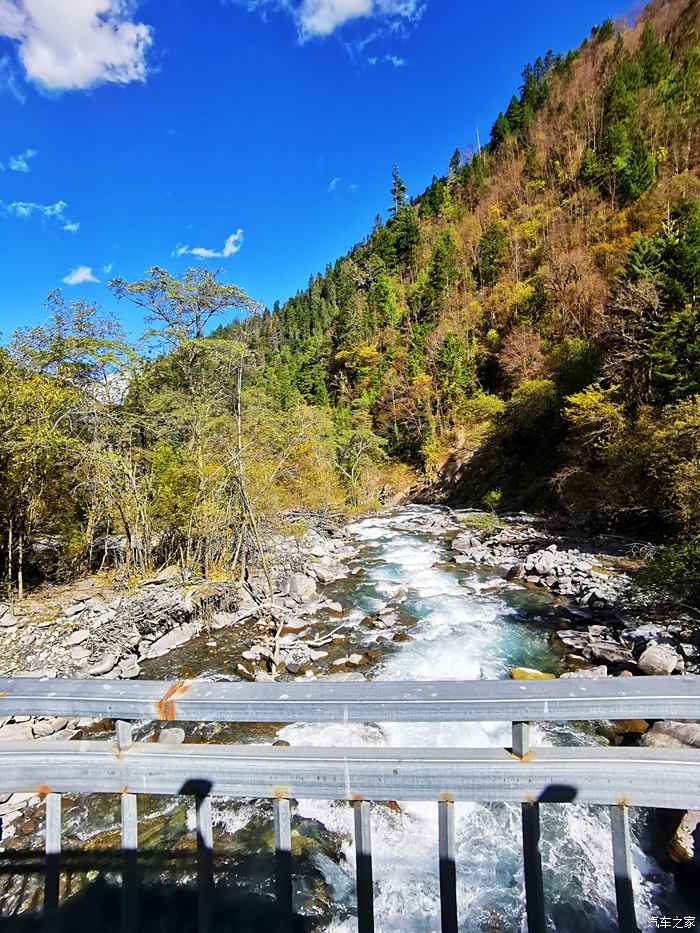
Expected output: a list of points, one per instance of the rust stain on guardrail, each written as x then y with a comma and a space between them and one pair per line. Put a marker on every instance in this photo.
166, 705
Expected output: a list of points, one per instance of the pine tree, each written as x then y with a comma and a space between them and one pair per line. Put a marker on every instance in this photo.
398, 191
455, 163
500, 130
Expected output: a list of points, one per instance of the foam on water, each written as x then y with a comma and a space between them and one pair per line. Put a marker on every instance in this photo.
459, 635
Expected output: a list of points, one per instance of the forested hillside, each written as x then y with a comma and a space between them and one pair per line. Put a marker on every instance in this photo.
527, 328
524, 332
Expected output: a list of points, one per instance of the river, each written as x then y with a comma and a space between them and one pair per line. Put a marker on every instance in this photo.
465, 623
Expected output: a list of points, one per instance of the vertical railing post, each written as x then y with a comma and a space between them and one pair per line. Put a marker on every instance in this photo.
129, 814
363, 863
52, 875
532, 857
448, 869
205, 864
622, 865
283, 861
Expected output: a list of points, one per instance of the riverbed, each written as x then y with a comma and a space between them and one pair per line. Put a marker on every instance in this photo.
458, 621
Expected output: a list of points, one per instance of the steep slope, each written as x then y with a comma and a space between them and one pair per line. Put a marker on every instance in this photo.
527, 328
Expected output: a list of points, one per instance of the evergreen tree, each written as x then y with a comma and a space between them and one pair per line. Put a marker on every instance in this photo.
398, 191
500, 130
407, 237
455, 163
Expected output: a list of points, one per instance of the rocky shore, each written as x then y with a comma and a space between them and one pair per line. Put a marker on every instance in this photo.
601, 623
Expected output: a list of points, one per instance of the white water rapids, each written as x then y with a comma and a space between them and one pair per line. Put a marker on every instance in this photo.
464, 632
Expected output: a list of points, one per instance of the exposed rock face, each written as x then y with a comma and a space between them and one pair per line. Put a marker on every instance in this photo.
659, 659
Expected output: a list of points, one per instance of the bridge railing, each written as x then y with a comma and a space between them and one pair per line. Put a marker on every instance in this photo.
617, 777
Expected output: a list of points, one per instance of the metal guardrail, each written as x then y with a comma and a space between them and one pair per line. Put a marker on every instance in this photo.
616, 777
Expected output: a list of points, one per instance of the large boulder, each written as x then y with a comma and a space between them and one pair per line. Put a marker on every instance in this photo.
16, 732
301, 587
611, 652
670, 733
659, 659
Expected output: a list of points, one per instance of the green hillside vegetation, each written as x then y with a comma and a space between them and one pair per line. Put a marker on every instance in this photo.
524, 332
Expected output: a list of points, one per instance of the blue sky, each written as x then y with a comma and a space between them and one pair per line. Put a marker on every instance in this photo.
260, 134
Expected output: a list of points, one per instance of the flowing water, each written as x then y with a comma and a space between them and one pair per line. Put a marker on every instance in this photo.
466, 623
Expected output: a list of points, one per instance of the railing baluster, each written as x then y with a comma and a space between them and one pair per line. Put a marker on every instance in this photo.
130, 846
448, 871
205, 864
622, 863
52, 874
363, 862
283, 861
532, 858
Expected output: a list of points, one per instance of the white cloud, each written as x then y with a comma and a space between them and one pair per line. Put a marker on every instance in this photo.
333, 185
395, 60
232, 245
57, 212
85, 42
323, 17
20, 163
107, 268
27, 208
79, 276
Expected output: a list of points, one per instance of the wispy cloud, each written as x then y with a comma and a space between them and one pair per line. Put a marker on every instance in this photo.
107, 268
79, 276
20, 163
55, 212
232, 245
390, 59
89, 42
8, 80
323, 17
333, 185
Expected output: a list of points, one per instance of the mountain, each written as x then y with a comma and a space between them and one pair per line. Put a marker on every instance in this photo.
527, 329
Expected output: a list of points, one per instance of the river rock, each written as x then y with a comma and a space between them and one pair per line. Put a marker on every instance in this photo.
48, 726
74, 610
516, 572
16, 732
589, 673
659, 659
611, 652
129, 668
302, 588
79, 653
173, 735
334, 607
573, 639
529, 673
7, 618
670, 733
685, 845
106, 663
77, 638
178, 636
355, 660
324, 574
170, 574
